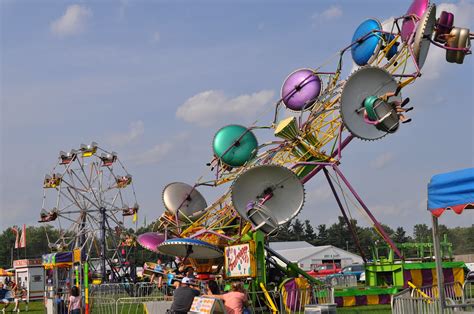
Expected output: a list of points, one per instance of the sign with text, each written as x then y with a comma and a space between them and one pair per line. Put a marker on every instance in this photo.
203, 305
239, 260
27, 262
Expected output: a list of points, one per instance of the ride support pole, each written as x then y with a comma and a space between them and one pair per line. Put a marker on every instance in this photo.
349, 223
86, 286
102, 244
366, 209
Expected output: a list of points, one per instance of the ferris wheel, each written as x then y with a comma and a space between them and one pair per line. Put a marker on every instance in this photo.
89, 197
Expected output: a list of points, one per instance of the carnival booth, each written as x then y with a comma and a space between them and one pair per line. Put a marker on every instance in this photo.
455, 191
58, 271
29, 275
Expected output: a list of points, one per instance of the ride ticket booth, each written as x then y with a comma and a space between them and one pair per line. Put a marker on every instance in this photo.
59, 278
29, 275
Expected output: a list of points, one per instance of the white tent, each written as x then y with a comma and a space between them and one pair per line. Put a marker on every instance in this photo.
308, 256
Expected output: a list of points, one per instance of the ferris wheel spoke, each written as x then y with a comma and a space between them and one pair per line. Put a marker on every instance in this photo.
88, 205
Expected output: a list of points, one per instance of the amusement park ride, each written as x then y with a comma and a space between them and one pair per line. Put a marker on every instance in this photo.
87, 196
266, 180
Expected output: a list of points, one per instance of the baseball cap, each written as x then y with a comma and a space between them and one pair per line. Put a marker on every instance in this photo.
188, 281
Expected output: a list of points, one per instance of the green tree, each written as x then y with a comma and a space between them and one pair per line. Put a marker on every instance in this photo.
400, 236
298, 230
323, 235
309, 234
422, 233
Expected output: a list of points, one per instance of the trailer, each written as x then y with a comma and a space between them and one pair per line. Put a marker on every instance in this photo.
29, 275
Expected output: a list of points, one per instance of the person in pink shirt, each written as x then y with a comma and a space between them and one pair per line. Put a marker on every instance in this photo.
236, 300
75, 301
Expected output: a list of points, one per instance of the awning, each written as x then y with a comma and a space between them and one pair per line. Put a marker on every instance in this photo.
452, 190
57, 260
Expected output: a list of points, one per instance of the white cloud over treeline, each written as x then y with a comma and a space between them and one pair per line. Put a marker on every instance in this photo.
207, 108
72, 22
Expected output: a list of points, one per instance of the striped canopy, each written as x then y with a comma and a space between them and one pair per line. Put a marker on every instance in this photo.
4, 273
452, 190
192, 248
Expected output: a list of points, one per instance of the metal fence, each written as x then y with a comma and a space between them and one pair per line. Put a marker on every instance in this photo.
341, 281
452, 291
426, 299
118, 290
468, 292
127, 298
295, 301
147, 298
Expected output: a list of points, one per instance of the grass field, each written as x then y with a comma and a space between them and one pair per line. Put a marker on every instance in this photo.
371, 309
38, 307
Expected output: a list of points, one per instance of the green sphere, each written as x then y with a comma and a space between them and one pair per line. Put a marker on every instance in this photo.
235, 145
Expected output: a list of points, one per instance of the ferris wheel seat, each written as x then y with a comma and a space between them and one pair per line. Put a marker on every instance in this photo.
129, 211
52, 181
108, 159
48, 217
89, 150
123, 181
67, 158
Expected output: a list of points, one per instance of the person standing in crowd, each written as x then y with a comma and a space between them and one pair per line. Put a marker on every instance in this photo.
236, 300
213, 288
184, 296
75, 301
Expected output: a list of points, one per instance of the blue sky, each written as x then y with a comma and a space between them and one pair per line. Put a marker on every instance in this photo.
154, 80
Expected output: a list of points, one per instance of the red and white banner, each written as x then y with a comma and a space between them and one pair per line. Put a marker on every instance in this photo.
23, 237
15, 231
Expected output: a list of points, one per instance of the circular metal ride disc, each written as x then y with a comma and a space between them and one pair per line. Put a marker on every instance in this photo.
367, 50
151, 240
365, 82
300, 89
183, 197
418, 8
424, 31
191, 248
282, 189
235, 145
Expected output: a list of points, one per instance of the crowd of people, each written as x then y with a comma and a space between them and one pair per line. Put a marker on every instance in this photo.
11, 293
187, 287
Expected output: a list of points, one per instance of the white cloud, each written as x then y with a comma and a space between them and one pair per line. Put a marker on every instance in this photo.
122, 8
321, 193
331, 13
135, 130
72, 22
153, 155
155, 37
209, 107
382, 160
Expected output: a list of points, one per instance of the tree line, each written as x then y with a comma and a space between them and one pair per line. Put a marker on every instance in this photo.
337, 234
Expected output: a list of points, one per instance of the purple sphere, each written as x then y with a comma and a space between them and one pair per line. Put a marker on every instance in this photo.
151, 240
417, 7
300, 89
